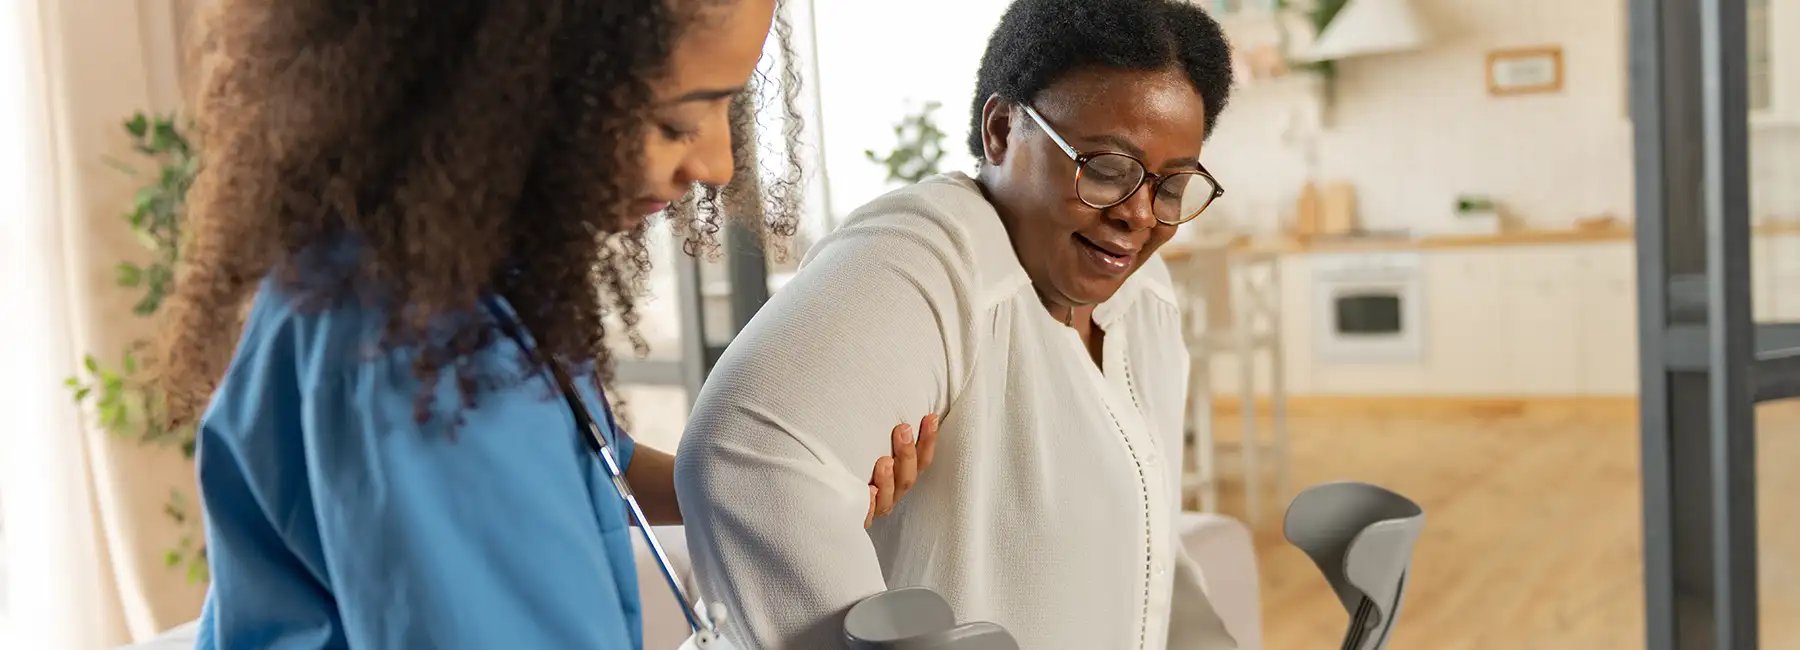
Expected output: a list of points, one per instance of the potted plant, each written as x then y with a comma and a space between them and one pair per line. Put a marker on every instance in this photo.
121, 397
1476, 214
918, 150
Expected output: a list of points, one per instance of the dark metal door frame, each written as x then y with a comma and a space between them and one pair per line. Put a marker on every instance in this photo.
1704, 362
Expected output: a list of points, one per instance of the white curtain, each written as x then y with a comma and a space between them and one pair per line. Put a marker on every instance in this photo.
50, 547
81, 528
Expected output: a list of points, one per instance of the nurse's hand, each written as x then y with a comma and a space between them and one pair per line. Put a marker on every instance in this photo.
896, 474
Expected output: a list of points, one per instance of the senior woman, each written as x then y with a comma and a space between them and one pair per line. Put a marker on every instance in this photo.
1026, 305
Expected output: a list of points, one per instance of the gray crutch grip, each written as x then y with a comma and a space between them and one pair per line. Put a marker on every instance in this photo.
916, 618
1361, 536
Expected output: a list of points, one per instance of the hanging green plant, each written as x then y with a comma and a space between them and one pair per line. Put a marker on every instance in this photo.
1319, 14
918, 150
122, 398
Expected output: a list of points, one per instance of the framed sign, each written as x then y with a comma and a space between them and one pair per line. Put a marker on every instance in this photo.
1524, 71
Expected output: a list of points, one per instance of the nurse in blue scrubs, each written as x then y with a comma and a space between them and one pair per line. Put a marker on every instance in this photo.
390, 187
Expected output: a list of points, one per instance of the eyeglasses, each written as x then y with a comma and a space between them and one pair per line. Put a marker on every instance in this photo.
1106, 179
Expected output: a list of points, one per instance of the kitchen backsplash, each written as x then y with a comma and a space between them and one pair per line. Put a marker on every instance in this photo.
1414, 130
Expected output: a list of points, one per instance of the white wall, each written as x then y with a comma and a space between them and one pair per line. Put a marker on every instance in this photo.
1412, 130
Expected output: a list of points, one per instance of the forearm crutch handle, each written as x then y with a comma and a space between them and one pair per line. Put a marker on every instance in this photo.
917, 618
1361, 536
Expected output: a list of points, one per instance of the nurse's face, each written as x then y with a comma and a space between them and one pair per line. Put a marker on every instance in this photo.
689, 139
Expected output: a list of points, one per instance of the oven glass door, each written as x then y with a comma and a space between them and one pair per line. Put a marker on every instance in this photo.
1369, 321
1369, 314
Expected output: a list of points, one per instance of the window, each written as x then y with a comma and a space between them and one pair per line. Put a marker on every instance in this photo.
1762, 80
1761, 23
875, 66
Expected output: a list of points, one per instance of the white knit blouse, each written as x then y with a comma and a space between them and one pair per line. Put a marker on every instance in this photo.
1050, 507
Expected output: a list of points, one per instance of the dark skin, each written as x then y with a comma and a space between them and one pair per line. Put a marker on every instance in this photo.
652, 474
1155, 115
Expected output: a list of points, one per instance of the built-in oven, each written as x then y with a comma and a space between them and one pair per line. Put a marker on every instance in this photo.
1368, 307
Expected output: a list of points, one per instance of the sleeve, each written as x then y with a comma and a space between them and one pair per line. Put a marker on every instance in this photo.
485, 536
626, 445
262, 592
773, 467
271, 594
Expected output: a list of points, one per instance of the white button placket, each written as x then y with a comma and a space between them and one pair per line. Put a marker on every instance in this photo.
1122, 400
1118, 393
1160, 541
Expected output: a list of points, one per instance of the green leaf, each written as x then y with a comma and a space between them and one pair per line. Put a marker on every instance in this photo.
130, 363
171, 178
92, 364
147, 305
129, 275
114, 415
82, 393
119, 165
165, 137
143, 202
138, 125
172, 558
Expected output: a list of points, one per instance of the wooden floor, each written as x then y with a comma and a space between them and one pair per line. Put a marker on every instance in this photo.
1533, 529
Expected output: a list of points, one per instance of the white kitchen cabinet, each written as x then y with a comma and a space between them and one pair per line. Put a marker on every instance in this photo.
1783, 280
1608, 324
1296, 323
1551, 319
1538, 330
1762, 279
1464, 294
1518, 320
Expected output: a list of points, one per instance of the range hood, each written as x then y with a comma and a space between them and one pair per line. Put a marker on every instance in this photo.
1365, 27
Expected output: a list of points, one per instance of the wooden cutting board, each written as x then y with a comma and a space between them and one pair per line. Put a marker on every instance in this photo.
1337, 209
1306, 212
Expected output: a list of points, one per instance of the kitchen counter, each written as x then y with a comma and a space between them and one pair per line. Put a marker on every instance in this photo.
1175, 251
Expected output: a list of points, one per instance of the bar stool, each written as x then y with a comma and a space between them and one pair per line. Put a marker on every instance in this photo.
1232, 307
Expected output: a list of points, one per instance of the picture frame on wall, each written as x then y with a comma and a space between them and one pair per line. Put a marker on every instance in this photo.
1525, 71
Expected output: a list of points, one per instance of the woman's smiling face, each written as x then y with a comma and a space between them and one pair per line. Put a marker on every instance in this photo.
1076, 254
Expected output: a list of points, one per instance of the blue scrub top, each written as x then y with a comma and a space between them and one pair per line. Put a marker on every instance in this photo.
335, 518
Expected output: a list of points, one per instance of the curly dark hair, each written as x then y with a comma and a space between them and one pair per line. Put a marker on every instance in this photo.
1039, 41
467, 148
